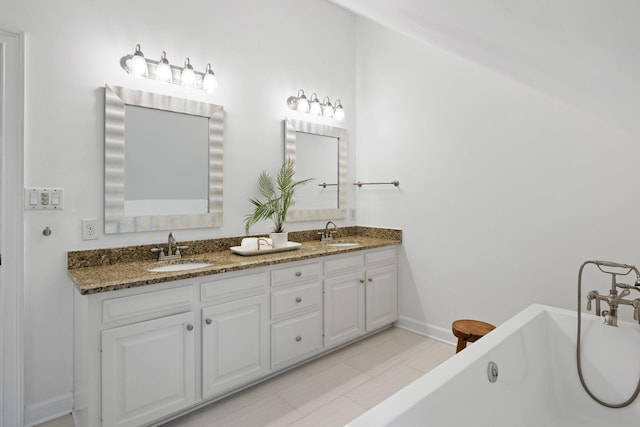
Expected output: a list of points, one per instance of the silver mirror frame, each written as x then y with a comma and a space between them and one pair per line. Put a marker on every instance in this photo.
115, 220
291, 126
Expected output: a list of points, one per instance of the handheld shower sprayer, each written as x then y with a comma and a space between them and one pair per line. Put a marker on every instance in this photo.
614, 299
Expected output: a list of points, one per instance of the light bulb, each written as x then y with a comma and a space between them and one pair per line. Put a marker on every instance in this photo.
339, 111
188, 75
315, 107
138, 65
209, 81
327, 108
303, 103
163, 71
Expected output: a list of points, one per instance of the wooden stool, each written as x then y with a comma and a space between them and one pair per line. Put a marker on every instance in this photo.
469, 331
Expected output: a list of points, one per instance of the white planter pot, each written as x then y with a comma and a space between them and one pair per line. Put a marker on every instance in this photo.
279, 240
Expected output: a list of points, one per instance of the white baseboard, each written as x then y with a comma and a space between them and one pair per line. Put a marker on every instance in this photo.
423, 328
48, 410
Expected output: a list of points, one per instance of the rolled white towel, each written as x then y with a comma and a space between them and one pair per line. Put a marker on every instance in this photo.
256, 243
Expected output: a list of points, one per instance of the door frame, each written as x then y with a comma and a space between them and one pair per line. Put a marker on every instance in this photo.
11, 229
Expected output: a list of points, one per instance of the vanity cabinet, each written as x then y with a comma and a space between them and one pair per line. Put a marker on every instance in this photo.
344, 299
296, 329
148, 370
144, 354
360, 295
235, 328
381, 288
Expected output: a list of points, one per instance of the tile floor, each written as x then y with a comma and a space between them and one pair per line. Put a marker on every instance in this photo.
330, 391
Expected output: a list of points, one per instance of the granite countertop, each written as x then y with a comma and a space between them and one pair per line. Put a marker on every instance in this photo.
112, 269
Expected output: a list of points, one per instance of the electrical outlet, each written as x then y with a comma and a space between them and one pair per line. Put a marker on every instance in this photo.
90, 229
353, 214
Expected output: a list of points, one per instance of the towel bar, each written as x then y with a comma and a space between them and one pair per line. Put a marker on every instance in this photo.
360, 184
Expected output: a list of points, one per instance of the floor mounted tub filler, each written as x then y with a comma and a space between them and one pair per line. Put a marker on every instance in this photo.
524, 374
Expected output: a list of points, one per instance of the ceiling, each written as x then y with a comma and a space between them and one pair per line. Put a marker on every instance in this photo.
585, 52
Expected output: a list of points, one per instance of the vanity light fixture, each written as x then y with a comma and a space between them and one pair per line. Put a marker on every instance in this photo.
303, 103
139, 66
314, 107
209, 81
163, 71
327, 108
188, 75
338, 111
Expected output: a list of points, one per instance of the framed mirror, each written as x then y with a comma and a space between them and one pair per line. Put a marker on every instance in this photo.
163, 162
319, 152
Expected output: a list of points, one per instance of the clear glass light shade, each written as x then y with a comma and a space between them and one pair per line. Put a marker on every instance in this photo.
137, 64
163, 72
188, 75
339, 111
303, 103
209, 81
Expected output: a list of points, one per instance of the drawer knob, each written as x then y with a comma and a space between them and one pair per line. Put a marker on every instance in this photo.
298, 338
298, 299
370, 279
298, 273
189, 327
361, 280
208, 321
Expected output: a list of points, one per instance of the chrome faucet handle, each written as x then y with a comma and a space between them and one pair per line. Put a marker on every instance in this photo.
593, 295
161, 250
636, 309
178, 254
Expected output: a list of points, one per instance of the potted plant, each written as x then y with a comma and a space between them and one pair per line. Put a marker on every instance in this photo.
279, 194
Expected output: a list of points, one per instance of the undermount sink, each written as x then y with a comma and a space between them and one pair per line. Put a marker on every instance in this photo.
343, 244
179, 267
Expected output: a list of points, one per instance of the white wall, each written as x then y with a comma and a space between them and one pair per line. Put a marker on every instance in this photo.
262, 52
504, 191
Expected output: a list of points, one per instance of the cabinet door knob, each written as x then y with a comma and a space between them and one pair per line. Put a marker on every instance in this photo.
208, 321
298, 299
298, 338
189, 327
298, 273
370, 279
361, 280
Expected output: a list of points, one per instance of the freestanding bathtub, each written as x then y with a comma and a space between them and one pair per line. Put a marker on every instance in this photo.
537, 383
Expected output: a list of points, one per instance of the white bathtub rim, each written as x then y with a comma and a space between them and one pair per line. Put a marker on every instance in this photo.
387, 411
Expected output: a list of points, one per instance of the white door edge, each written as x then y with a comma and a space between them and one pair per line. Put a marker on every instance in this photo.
11, 229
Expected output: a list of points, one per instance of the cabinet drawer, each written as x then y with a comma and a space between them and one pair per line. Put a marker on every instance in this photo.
147, 305
297, 274
295, 339
294, 300
225, 290
381, 257
347, 264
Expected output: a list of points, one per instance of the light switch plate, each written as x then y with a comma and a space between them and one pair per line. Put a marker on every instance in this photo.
43, 199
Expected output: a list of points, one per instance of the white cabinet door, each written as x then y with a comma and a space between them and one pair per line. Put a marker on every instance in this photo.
148, 370
235, 344
382, 297
344, 316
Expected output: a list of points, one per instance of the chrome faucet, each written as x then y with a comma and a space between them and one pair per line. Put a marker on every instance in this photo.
615, 299
328, 234
171, 243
